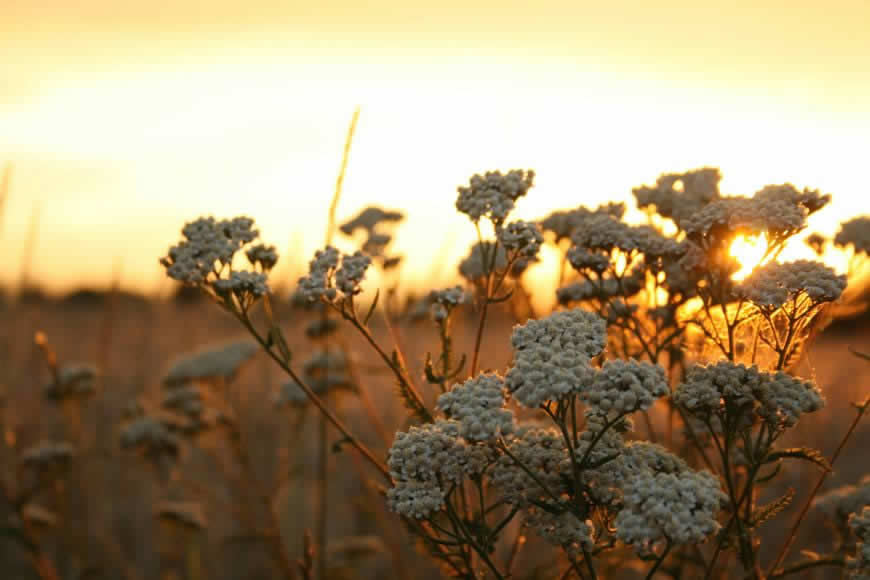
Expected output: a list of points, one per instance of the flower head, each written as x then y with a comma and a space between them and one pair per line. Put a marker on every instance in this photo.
625, 386
493, 194
478, 405
855, 233
552, 355
774, 283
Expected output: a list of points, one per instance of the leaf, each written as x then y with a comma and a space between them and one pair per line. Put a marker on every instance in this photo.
770, 510
337, 446
429, 370
503, 298
372, 307
277, 338
806, 453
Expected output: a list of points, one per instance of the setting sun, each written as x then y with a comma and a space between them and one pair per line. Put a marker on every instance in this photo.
749, 251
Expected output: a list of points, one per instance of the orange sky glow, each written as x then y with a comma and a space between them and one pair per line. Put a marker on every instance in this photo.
123, 119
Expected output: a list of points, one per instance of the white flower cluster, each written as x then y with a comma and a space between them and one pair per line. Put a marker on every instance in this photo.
493, 194
444, 301
476, 265
678, 195
774, 283
48, 455
552, 355
425, 459
855, 233
220, 361
564, 529
242, 283
680, 508
478, 405
811, 199
624, 386
644, 455
605, 233
838, 503
778, 398
564, 223
151, 435
329, 273
523, 238
209, 247
73, 380
859, 566
582, 259
264, 256
543, 453
415, 499
779, 217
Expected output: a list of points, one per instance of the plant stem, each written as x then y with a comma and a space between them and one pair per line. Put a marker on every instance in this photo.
793, 532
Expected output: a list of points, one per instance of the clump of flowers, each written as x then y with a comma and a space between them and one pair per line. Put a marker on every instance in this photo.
622, 387
774, 284
205, 259
552, 356
855, 233
72, 381
478, 406
493, 194
372, 221
334, 278
859, 566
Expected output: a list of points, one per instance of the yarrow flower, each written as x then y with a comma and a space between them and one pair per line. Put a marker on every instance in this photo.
444, 301
369, 219
859, 566
774, 284
679, 195
563, 529
48, 455
206, 254
855, 233
622, 387
777, 398
838, 503
658, 507
564, 223
520, 237
73, 380
539, 451
552, 355
478, 405
330, 274
221, 361
493, 194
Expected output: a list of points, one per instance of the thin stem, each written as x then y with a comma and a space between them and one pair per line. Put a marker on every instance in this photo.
659, 561
323, 495
312, 396
793, 532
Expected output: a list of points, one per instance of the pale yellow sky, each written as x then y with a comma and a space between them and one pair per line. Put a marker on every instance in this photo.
124, 119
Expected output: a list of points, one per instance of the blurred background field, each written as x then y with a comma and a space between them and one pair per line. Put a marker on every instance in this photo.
103, 521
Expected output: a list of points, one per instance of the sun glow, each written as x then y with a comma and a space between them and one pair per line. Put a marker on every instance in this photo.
749, 252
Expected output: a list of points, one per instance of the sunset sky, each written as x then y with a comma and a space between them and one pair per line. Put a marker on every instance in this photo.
123, 119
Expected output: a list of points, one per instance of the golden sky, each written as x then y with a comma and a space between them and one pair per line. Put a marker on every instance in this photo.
124, 119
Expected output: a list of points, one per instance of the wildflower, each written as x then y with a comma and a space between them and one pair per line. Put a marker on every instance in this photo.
205, 257
213, 362
810, 199
859, 566
773, 284
369, 219
552, 355
539, 451
838, 503
855, 233
622, 387
73, 380
430, 452
520, 237
264, 256
679, 195
564, 223
605, 233
351, 273
444, 301
563, 529
777, 398
329, 273
493, 194
48, 456
680, 508
151, 435
415, 499
602, 289
478, 405
185, 399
